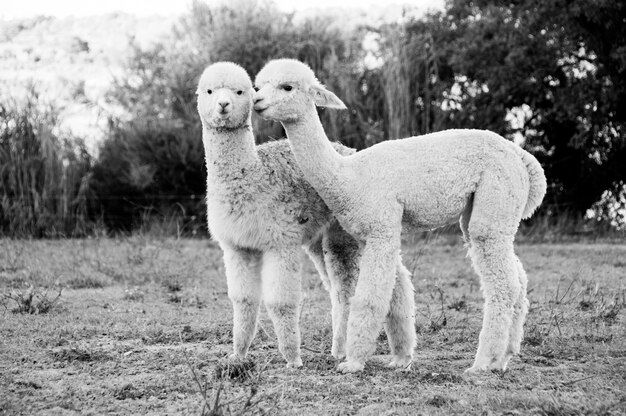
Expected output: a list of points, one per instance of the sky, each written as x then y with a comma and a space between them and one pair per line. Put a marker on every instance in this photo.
14, 9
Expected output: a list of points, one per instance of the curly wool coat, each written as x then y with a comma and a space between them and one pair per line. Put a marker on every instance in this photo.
475, 177
262, 211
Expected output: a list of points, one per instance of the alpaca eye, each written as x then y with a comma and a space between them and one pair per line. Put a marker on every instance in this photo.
287, 87
209, 91
239, 92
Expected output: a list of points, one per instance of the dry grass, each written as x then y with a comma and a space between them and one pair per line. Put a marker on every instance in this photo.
117, 343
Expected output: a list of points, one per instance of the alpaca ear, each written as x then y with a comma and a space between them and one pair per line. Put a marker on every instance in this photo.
324, 98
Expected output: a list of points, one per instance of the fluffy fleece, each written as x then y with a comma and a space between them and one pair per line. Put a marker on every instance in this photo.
476, 177
261, 210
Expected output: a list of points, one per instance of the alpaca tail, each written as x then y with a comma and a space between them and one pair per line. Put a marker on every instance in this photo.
537, 182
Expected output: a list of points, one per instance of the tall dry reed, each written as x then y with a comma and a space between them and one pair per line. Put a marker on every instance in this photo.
43, 175
412, 87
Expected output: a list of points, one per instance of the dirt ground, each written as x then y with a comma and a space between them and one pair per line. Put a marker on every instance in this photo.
143, 326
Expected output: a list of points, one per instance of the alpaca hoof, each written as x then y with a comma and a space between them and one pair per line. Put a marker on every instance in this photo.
482, 363
350, 367
498, 367
295, 364
236, 358
474, 370
401, 363
339, 355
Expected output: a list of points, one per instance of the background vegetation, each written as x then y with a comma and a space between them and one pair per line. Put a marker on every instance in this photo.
44, 175
550, 75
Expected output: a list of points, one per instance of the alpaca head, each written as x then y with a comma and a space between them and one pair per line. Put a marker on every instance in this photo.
288, 91
224, 96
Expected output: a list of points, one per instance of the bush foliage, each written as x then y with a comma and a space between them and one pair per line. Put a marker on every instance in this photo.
44, 174
548, 76
150, 170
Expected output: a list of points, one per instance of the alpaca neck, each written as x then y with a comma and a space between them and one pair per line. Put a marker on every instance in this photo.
317, 158
229, 153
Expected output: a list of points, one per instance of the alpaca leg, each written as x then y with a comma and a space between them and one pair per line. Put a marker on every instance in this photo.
341, 257
516, 333
495, 263
324, 268
316, 254
371, 300
464, 221
243, 277
282, 296
400, 324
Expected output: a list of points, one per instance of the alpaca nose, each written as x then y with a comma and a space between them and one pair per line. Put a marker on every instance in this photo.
257, 99
223, 104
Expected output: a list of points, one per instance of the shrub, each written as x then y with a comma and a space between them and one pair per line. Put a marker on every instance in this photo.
33, 301
152, 162
150, 171
43, 174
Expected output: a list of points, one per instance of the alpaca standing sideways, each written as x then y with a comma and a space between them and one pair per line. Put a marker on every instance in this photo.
474, 176
262, 211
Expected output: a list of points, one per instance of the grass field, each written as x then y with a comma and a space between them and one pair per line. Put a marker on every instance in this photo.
143, 326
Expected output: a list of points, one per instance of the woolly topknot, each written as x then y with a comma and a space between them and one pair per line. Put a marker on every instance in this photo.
286, 70
224, 75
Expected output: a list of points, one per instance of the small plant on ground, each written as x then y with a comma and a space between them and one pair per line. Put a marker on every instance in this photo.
33, 301
214, 390
239, 371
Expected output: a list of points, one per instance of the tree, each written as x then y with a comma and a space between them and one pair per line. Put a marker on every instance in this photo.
562, 65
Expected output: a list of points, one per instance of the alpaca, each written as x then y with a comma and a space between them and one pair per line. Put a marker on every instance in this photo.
262, 211
475, 177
